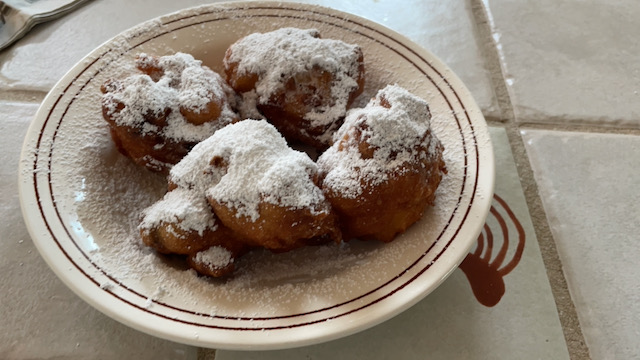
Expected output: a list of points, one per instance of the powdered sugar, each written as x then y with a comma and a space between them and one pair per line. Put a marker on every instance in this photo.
140, 96
252, 163
248, 107
215, 257
186, 208
279, 55
395, 124
183, 84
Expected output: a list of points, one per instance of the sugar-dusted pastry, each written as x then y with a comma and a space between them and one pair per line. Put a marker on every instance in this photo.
300, 82
157, 116
384, 166
241, 188
259, 187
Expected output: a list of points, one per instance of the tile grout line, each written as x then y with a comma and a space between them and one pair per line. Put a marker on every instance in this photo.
574, 338
580, 128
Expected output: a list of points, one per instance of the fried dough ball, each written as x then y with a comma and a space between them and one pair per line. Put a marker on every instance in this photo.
259, 188
300, 83
280, 228
384, 166
158, 115
215, 261
183, 223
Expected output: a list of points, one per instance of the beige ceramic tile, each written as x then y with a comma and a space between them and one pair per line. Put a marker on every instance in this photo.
571, 61
589, 188
41, 318
451, 323
41, 58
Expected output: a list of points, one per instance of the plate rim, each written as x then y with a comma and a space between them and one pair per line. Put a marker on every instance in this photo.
481, 207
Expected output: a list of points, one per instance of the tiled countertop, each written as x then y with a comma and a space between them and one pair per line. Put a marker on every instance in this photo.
559, 83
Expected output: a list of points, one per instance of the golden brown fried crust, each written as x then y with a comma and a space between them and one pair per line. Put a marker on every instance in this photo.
386, 210
239, 82
169, 238
152, 150
204, 269
232, 244
301, 94
279, 228
145, 149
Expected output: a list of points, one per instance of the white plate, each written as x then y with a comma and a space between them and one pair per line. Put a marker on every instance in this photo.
80, 198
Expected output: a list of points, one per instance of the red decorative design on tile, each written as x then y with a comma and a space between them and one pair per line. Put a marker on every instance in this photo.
485, 275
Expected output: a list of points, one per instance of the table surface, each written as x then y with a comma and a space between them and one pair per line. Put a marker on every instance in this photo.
558, 82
